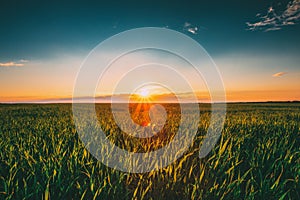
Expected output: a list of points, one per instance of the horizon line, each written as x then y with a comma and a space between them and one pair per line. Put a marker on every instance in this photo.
162, 102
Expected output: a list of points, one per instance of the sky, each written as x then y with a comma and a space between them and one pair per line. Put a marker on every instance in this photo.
254, 43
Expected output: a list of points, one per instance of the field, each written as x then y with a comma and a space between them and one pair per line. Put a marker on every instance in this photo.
257, 156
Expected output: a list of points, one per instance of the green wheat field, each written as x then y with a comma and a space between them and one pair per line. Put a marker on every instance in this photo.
257, 156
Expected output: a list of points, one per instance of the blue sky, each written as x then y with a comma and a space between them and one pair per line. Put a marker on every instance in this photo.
43, 44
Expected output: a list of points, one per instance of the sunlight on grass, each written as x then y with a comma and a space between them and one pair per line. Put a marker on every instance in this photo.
257, 156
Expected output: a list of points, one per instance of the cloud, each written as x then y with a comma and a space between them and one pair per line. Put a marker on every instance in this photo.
11, 64
193, 30
279, 74
190, 28
186, 24
273, 21
24, 61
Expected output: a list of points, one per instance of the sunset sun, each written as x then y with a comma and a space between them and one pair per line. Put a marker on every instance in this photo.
144, 93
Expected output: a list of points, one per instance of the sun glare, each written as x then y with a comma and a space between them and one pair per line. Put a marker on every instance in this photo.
144, 93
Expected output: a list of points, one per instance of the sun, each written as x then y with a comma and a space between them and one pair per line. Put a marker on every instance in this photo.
144, 93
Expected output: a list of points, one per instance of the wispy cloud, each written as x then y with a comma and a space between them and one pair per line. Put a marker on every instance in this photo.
273, 21
24, 61
279, 74
11, 64
190, 28
20, 63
